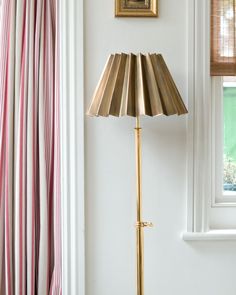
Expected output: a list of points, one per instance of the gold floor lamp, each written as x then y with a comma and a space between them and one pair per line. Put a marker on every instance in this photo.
137, 85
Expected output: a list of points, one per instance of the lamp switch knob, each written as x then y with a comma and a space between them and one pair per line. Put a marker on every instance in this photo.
144, 224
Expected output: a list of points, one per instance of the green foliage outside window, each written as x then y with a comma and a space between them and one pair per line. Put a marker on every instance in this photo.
229, 137
229, 171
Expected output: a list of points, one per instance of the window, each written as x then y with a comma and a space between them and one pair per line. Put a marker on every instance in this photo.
223, 63
211, 141
224, 160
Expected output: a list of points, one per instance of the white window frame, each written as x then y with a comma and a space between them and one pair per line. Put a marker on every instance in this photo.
72, 145
201, 124
217, 141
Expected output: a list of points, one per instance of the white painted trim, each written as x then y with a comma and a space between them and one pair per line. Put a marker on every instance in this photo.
217, 139
213, 235
72, 146
199, 137
225, 204
230, 84
191, 55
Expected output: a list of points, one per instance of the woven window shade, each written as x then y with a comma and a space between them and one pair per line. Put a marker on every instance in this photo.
223, 45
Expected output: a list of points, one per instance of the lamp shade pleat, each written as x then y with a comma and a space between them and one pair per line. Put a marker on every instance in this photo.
136, 85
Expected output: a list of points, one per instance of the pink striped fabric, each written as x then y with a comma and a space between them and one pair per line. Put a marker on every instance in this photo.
30, 222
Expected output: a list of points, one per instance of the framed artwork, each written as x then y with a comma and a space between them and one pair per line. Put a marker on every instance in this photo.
136, 8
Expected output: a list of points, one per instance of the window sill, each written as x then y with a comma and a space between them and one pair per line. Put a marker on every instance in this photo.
212, 235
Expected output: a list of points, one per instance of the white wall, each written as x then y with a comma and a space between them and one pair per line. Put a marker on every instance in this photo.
172, 265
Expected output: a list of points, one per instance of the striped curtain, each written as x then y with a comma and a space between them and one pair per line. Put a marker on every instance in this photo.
30, 236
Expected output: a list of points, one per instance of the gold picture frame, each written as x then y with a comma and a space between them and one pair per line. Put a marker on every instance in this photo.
136, 8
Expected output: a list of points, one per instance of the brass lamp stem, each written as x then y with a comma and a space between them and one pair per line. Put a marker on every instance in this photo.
140, 224
139, 228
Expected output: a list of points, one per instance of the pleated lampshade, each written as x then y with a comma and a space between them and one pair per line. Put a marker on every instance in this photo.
136, 85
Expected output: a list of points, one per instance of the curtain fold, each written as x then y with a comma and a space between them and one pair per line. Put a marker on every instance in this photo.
223, 34
30, 223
